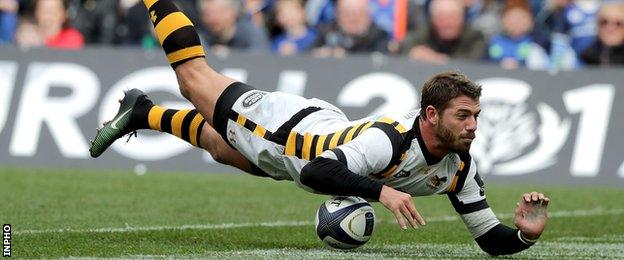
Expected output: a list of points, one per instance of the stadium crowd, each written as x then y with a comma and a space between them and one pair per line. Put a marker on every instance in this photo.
537, 34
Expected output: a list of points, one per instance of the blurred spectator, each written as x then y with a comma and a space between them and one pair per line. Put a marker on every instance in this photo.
447, 36
483, 16
27, 34
353, 31
225, 29
608, 49
514, 46
396, 17
579, 22
320, 13
51, 26
96, 20
8, 20
257, 10
296, 36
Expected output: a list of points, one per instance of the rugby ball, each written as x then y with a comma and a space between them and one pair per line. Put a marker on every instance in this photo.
345, 222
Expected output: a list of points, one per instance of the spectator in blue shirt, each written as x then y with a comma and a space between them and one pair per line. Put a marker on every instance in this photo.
512, 47
297, 36
579, 22
8, 20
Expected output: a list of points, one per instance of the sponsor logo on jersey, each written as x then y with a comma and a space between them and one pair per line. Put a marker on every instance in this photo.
232, 136
435, 181
402, 174
253, 98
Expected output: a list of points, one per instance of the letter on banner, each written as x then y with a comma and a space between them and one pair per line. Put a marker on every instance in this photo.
58, 113
398, 93
8, 71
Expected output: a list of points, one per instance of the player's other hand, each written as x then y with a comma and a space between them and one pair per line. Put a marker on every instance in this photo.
531, 214
402, 206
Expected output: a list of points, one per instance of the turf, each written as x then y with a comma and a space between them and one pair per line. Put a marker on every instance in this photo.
79, 213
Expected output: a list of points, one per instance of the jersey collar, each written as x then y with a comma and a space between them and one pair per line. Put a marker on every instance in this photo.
429, 158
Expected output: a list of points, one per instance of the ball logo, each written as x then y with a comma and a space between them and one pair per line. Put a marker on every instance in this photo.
512, 138
253, 98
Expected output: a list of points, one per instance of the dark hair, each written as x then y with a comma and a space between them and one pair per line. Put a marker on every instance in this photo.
440, 89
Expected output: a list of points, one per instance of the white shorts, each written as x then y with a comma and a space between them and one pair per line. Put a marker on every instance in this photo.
258, 124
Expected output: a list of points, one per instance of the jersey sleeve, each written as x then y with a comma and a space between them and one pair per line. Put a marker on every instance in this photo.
370, 152
470, 202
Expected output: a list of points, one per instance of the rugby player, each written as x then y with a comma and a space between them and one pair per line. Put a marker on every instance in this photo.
311, 142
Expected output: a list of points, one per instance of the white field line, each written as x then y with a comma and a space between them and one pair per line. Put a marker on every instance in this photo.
128, 228
542, 250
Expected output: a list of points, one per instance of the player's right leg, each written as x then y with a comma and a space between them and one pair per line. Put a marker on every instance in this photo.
199, 83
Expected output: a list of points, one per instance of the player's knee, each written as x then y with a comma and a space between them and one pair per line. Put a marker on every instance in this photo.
191, 74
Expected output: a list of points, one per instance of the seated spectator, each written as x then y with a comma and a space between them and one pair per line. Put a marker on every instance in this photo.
608, 49
447, 36
513, 47
483, 15
8, 20
226, 29
96, 20
353, 32
51, 26
296, 36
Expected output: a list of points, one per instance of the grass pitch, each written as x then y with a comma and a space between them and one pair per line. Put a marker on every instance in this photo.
71, 213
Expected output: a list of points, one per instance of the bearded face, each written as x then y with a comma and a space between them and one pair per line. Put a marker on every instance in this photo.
457, 124
453, 141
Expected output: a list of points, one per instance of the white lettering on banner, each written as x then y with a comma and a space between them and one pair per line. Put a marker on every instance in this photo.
594, 102
237, 74
8, 72
292, 81
58, 113
398, 93
507, 128
151, 147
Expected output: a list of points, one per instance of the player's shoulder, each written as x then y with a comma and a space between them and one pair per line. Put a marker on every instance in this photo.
406, 119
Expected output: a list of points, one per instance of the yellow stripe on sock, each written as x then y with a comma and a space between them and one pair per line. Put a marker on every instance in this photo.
186, 53
199, 119
176, 122
149, 3
154, 116
170, 23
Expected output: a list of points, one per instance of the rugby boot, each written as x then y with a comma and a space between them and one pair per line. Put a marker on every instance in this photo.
122, 124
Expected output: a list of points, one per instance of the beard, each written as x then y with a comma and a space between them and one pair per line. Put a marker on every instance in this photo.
454, 143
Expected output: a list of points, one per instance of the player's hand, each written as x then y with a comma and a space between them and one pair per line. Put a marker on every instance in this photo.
401, 205
531, 214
